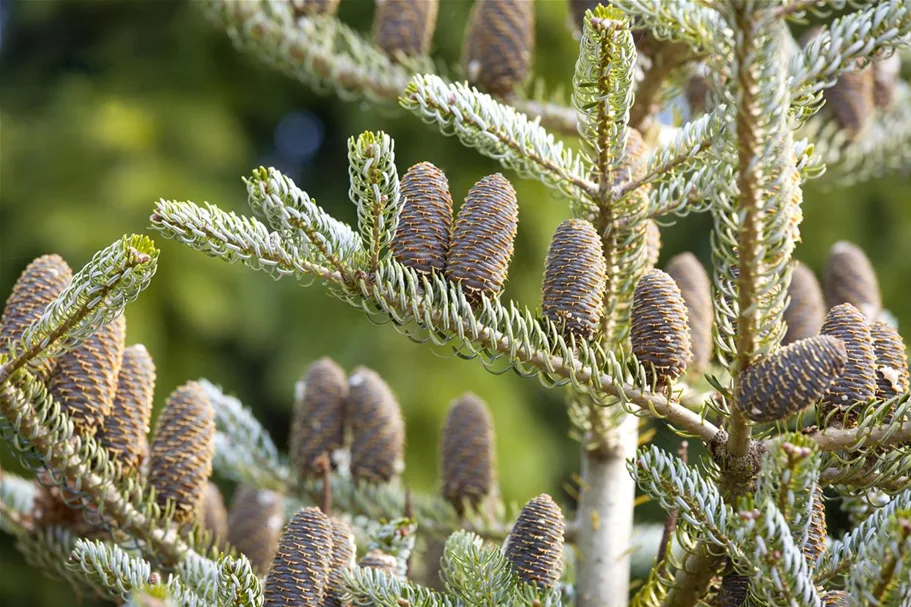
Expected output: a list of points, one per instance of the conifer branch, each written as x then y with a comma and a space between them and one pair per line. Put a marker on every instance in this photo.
702, 28
375, 191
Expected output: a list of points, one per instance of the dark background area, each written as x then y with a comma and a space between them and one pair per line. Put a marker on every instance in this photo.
106, 107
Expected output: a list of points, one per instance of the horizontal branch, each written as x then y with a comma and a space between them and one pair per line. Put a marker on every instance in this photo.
836, 439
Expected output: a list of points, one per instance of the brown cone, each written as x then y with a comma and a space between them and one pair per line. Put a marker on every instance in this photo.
837, 598
125, 430
816, 539
734, 590
300, 569
255, 523
574, 277
309, 8
39, 284
891, 361
341, 561
377, 559
886, 74
377, 428
404, 26
318, 424
535, 544
806, 309
212, 513
793, 378
483, 238
425, 223
652, 243
181, 456
696, 289
84, 381
851, 102
857, 383
659, 329
850, 278
498, 45
467, 453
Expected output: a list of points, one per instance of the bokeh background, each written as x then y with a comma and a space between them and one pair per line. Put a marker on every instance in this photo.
107, 106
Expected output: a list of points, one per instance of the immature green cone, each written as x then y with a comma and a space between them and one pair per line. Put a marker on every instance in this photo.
309, 8
126, 429
425, 222
793, 378
857, 383
652, 243
498, 45
377, 559
84, 381
341, 561
535, 544
734, 590
886, 74
696, 289
467, 453
180, 460
255, 523
659, 329
212, 512
38, 285
850, 278
482, 241
318, 423
300, 569
806, 310
404, 26
891, 361
377, 429
574, 277
818, 530
851, 102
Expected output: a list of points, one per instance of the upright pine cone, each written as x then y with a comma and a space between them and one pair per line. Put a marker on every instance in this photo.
38, 285
886, 73
300, 570
499, 44
535, 544
851, 102
377, 559
818, 530
734, 590
84, 381
309, 8
212, 513
857, 382
806, 310
425, 222
377, 429
659, 329
180, 461
318, 424
850, 278
652, 242
790, 380
341, 561
468, 453
696, 289
574, 279
891, 361
126, 429
404, 26
255, 523
482, 242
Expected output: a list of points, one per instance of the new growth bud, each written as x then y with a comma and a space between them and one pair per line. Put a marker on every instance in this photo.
499, 44
377, 428
318, 424
467, 453
574, 278
425, 222
659, 329
483, 238
793, 378
535, 544
180, 461
300, 569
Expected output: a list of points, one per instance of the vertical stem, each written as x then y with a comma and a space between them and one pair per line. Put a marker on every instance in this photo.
693, 578
605, 518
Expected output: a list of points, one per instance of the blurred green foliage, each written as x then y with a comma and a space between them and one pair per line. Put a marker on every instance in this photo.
107, 106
